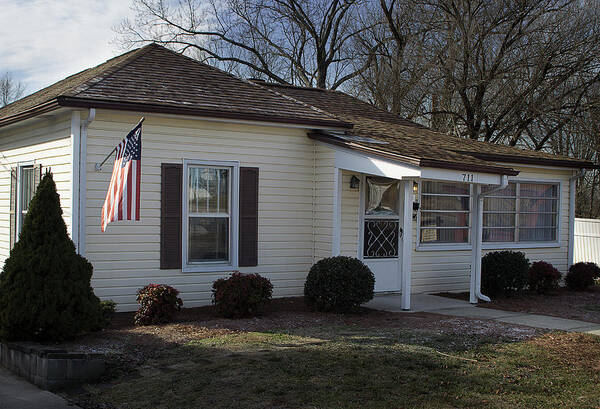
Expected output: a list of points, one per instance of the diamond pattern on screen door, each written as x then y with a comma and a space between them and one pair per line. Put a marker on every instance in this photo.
381, 238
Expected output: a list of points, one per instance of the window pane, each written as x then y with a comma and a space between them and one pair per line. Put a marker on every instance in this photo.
444, 235
499, 234
538, 190
382, 196
208, 190
446, 188
548, 234
538, 205
510, 190
208, 239
27, 187
445, 203
498, 220
537, 220
492, 204
444, 219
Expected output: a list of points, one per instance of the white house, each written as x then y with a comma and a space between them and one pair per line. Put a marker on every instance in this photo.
256, 177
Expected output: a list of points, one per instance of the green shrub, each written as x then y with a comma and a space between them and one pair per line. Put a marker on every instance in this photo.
107, 307
503, 273
338, 284
45, 292
543, 277
241, 295
158, 304
581, 276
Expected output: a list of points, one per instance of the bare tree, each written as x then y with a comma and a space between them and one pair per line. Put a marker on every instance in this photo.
305, 42
10, 90
500, 71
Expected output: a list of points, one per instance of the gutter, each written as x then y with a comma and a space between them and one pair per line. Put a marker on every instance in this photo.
82, 179
572, 197
475, 290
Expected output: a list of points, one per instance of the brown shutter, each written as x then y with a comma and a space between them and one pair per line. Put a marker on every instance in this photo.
170, 215
248, 249
13, 206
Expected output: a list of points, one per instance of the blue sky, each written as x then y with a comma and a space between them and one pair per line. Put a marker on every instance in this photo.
43, 41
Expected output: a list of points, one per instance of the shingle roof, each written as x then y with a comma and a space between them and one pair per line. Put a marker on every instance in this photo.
381, 130
155, 79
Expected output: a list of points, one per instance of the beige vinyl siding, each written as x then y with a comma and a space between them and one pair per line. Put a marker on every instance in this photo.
350, 219
47, 142
323, 200
126, 257
449, 270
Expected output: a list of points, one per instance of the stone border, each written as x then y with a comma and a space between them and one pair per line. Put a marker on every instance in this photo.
50, 368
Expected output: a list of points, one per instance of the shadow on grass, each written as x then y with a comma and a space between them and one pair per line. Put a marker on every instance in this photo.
347, 367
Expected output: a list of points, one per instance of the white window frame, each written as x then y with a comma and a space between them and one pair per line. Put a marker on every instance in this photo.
211, 266
494, 245
442, 246
20, 167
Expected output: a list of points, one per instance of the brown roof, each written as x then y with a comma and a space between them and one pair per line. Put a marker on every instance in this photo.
383, 131
155, 79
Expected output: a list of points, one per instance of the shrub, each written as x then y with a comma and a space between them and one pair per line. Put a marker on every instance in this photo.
504, 273
107, 307
158, 303
45, 292
582, 275
338, 284
241, 295
543, 277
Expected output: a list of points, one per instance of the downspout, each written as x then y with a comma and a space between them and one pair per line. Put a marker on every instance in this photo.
477, 245
572, 198
83, 178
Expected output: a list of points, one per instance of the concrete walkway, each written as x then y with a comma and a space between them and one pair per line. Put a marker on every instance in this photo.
17, 393
459, 308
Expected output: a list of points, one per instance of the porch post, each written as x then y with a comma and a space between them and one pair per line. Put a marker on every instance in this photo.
407, 244
476, 234
337, 213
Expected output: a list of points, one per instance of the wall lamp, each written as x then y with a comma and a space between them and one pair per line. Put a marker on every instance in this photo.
354, 182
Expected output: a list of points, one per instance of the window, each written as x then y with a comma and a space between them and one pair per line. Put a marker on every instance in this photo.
523, 212
26, 192
382, 218
209, 213
445, 212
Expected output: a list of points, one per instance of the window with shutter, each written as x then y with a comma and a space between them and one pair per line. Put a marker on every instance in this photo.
24, 182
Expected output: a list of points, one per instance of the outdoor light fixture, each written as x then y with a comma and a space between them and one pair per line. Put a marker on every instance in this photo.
415, 199
354, 182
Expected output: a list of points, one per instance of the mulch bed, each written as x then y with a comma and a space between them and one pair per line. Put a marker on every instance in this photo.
577, 305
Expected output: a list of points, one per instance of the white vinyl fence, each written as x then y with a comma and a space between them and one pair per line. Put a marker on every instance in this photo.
587, 240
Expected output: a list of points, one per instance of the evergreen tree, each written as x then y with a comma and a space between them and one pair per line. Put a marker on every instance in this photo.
45, 292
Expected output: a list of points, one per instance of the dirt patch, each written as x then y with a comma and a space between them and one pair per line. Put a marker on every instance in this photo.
571, 349
575, 305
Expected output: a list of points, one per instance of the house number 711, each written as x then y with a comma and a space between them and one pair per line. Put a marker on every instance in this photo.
468, 177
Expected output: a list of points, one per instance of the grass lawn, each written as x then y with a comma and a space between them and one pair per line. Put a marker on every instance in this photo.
349, 363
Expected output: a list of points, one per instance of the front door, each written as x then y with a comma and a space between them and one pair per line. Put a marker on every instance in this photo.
381, 231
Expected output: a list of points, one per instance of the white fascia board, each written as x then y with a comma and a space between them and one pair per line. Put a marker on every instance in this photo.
461, 176
372, 165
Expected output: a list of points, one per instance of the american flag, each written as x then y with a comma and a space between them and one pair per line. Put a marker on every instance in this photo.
123, 197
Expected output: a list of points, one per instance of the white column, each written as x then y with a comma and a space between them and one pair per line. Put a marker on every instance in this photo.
572, 197
476, 235
336, 232
75, 166
407, 244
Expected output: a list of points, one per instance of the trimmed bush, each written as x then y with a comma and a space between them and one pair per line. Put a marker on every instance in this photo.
241, 295
338, 284
107, 307
158, 303
504, 273
543, 277
45, 292
582, 275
